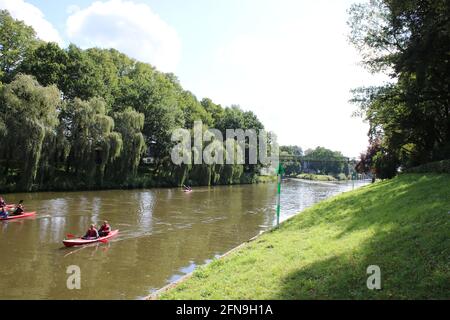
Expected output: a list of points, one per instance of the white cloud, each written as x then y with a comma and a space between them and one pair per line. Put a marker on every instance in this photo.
129, 27
73, 8
32, 16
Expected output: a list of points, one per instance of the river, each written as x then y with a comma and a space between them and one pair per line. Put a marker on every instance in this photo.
164, 234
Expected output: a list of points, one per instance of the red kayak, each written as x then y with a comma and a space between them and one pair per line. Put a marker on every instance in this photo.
82, 242
24, 215
187, 191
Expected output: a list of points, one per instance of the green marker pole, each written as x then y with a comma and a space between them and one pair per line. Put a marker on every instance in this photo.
279, 173
353, 180
278, 199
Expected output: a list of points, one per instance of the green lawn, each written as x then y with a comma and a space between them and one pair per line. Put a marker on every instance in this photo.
316, 177
401, 225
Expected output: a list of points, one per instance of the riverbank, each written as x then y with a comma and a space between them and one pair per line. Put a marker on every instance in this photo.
400, 225
142, 182
318, 177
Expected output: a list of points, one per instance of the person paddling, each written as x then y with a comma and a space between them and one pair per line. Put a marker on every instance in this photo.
105, 229
19, 209
2, 202
91, 234
3, 213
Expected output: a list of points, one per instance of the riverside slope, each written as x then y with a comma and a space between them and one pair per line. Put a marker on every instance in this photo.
401, 225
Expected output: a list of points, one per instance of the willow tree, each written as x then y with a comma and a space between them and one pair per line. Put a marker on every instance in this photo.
129, 124
30, 116
200, 174
215, 151
232, 172
93, 142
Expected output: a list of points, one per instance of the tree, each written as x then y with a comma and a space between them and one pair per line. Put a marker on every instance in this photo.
30, 114
107, 71
108, 111
216, 111
47, 63
326, 161
129, 124
193, 110
93, 143
16, 42
83, 79
410, 41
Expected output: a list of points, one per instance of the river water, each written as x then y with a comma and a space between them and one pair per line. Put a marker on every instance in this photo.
164, 234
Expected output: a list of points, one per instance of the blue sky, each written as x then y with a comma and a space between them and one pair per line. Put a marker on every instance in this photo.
286, 60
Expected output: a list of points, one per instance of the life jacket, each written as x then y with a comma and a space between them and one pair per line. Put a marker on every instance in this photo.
106, 228
91, 233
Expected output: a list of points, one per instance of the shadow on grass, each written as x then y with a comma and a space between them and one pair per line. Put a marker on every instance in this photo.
409, 241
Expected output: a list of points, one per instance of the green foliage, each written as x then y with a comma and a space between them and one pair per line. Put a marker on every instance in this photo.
29, 112
16, 42
86, 119
432, 167
410, 41
47, 63
316, 177
91, 137
326, 161
129, 124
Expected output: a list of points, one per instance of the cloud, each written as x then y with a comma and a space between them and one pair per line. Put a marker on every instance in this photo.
129, 27
32, 16
73, 8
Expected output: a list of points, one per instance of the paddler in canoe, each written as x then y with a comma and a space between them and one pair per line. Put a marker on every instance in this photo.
91, 234
2, 202
19, 209
187, 189
105, 229
3, 213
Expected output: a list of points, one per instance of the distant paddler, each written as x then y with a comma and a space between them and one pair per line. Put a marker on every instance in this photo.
187, 189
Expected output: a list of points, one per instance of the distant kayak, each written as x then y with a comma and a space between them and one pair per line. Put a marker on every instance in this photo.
82, 242
24, 215
187, 191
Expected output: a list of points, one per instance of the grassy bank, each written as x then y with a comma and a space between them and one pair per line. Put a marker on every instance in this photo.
401, 225
266, 179
316, 177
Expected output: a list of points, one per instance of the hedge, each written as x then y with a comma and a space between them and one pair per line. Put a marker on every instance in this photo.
434, 167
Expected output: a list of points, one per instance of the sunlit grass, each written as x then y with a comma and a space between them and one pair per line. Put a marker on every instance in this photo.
401, 225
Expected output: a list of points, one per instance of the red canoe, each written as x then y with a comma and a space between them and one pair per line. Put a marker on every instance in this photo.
82, 242
24, 215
